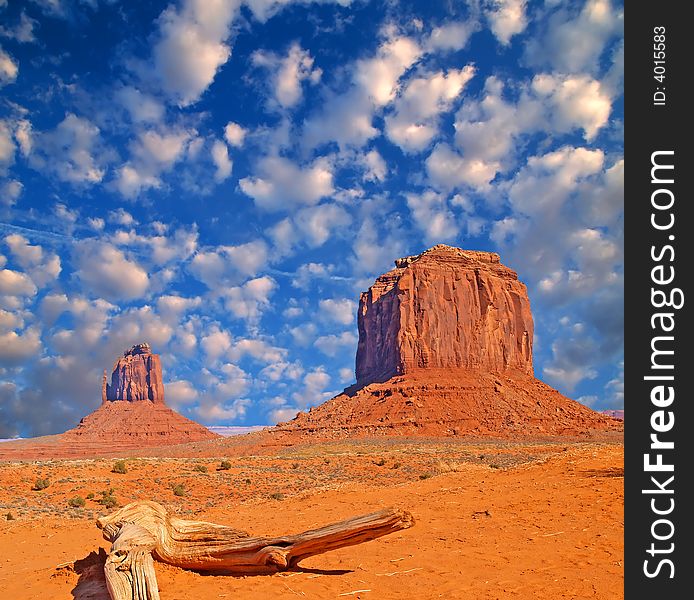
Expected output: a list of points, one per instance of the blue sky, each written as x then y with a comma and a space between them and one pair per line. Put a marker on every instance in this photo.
221, 178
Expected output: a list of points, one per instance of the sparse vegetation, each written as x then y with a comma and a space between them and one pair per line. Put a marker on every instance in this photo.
277, 496
425, 476
495, 466
9, 516
119, 467
248, 481
380, 463
396, 465
179, 490
76, 502
225, 465
200, 468
90, 495
295, 465
41, 484
108, 500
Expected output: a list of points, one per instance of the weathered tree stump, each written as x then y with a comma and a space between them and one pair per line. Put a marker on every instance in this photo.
143, 531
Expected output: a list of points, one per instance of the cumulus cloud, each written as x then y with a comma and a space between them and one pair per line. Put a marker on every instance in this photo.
221, 160
216, 343
191, 46
15, 283
179, 393
225, 264
280, 184
506, 18
17, 348
234, 134
451, 36
142, 107
251, 299
571, 41
448, 170
317, 223
572, 361
347, 117
10, 191
430, 214
22, 31
414, 121
41, 266
8, 69
287, 73
339, 310
575, 102
332, 345
106, 271
73, 151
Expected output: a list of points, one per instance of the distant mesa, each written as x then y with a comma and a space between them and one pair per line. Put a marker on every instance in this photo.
445, 348
132, 415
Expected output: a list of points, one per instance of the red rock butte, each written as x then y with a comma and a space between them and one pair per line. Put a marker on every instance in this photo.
445, 348
132, 415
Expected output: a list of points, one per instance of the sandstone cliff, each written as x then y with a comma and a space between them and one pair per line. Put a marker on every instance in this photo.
136, 376
445, 348
445, 308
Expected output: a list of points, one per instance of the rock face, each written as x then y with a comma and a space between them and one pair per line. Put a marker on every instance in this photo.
136, 376
445, 308
445, 348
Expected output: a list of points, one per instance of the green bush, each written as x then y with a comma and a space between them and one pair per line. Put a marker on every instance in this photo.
225, 465
108, 500
90, 495
41, 484
277, 496
179, 490
76, 502
425, 476
200, 468
119, 467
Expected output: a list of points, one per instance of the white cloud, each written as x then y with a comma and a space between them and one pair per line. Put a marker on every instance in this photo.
312, 393
451, 36
281, 183
107, 271
221, 160
251, 299
257, 349
574, 43
414, 121
339, 310
547, 180
10, 191
7, 146
572, 361
216, 343
332, 345
234, 134
448, 170
191, 46
41, 266
8, 69
10, 321
72, 152
120, 216
317, 223
346, 375
575, 102
179, 393
431, 215
288, 73
224, 264
22, 32
141, 107
17, 348
15, 283
347, 117
375, 168
506, 18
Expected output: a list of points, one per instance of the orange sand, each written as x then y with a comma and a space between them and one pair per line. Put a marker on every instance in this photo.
495, 520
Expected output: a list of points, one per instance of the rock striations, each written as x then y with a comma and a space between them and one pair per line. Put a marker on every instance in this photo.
445, 348
136, 376
446, 308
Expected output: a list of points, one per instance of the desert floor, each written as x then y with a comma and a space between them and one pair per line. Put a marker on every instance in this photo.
494, 520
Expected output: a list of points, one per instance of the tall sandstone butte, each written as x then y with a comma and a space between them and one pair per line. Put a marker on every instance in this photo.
445, 308
136, 376
445, 348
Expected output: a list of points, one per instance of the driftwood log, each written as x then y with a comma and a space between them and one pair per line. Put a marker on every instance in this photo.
143, 531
